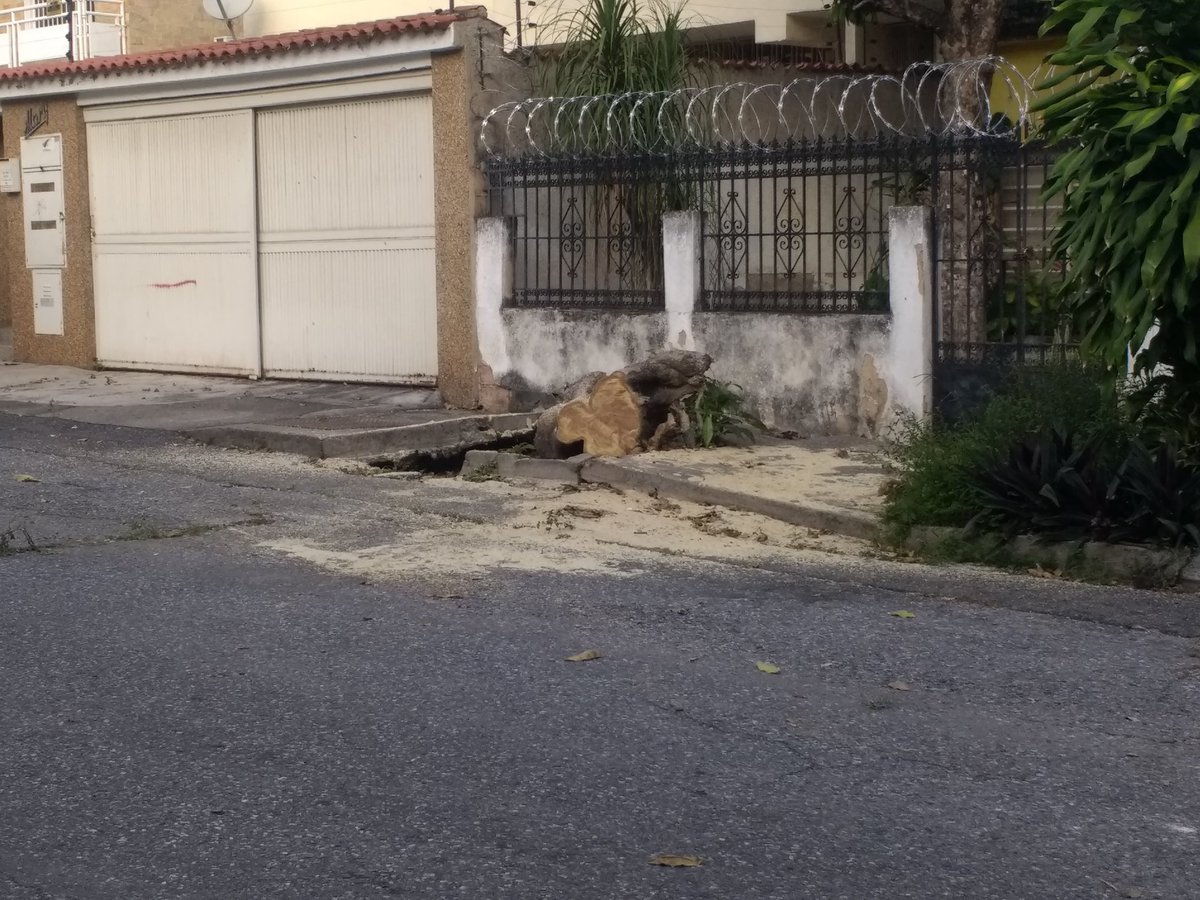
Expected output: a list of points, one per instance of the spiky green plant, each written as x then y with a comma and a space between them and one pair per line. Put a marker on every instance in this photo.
614, 47
611, 48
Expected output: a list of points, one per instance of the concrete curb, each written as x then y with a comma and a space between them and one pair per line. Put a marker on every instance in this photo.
1125, 562
809, 514
459, 432
520, 468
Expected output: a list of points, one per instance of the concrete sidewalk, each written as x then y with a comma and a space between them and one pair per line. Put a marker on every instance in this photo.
832, 485
828, 484
315, 419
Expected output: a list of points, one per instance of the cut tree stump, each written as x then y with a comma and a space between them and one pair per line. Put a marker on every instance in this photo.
620, 413
608, 421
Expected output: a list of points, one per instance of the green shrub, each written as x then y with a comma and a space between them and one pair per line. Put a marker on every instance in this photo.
1059, 487
938, 465
1054, 454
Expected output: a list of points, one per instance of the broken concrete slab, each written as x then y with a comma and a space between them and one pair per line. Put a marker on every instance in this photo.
450, 436
477, 461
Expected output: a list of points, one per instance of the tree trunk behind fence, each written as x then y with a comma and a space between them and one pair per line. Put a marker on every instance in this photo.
970, 236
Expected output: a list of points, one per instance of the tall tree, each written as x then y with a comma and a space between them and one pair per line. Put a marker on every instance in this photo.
968, 29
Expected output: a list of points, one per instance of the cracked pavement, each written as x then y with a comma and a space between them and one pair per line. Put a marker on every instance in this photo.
192, 712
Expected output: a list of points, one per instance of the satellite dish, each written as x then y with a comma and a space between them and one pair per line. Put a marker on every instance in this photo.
227, 10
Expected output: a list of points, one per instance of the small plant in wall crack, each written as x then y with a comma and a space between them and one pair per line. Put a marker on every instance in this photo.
719, 413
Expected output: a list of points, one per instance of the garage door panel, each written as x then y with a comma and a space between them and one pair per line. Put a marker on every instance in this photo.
173, 213
185, 174
346, 235
350, 312
353, 165
168, 308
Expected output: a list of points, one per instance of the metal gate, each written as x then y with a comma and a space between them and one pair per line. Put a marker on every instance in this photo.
997, 303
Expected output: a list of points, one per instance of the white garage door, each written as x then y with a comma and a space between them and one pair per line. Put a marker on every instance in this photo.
172, 212
346, 232
330, 275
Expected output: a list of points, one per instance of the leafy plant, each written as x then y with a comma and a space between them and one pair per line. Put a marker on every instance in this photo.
1166, 492
938, 464
1044, 316
1126, 102
1056, 485
719, 412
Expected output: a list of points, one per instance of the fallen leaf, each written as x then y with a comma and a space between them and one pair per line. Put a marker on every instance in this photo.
903, 614
675, 861
767, 668
900, 685
27, 478
585, 656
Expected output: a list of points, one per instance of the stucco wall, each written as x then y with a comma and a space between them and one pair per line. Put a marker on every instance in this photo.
77, 345
845, 373
815, 374
166, 24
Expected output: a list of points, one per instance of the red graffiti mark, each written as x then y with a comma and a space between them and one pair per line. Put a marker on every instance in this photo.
174, 285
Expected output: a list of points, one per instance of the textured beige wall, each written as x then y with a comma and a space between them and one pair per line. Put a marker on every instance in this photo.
158, 24
167, 24
458, 188
77, 345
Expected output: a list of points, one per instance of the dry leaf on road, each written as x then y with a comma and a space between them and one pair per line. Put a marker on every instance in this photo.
903, 614
767, 668
585, 656
900, 685
675, 861
27, 478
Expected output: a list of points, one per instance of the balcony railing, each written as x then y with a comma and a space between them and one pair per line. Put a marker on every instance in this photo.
56, 29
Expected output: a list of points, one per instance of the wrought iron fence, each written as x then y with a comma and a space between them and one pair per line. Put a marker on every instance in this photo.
586, 231
802, 227
799, 227
998, 280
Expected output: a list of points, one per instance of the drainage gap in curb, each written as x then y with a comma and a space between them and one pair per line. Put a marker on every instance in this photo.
448, 461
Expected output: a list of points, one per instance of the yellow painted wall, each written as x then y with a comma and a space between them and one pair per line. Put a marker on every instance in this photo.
1029, 59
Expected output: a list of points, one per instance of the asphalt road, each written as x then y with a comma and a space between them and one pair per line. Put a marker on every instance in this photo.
186, 714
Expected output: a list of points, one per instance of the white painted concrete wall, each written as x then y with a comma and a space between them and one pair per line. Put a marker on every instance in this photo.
818, 374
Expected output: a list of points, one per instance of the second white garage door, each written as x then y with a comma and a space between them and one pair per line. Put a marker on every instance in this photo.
346, 240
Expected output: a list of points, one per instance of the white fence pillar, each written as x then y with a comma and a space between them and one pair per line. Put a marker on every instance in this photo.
493, 285
681, 275
912, 292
